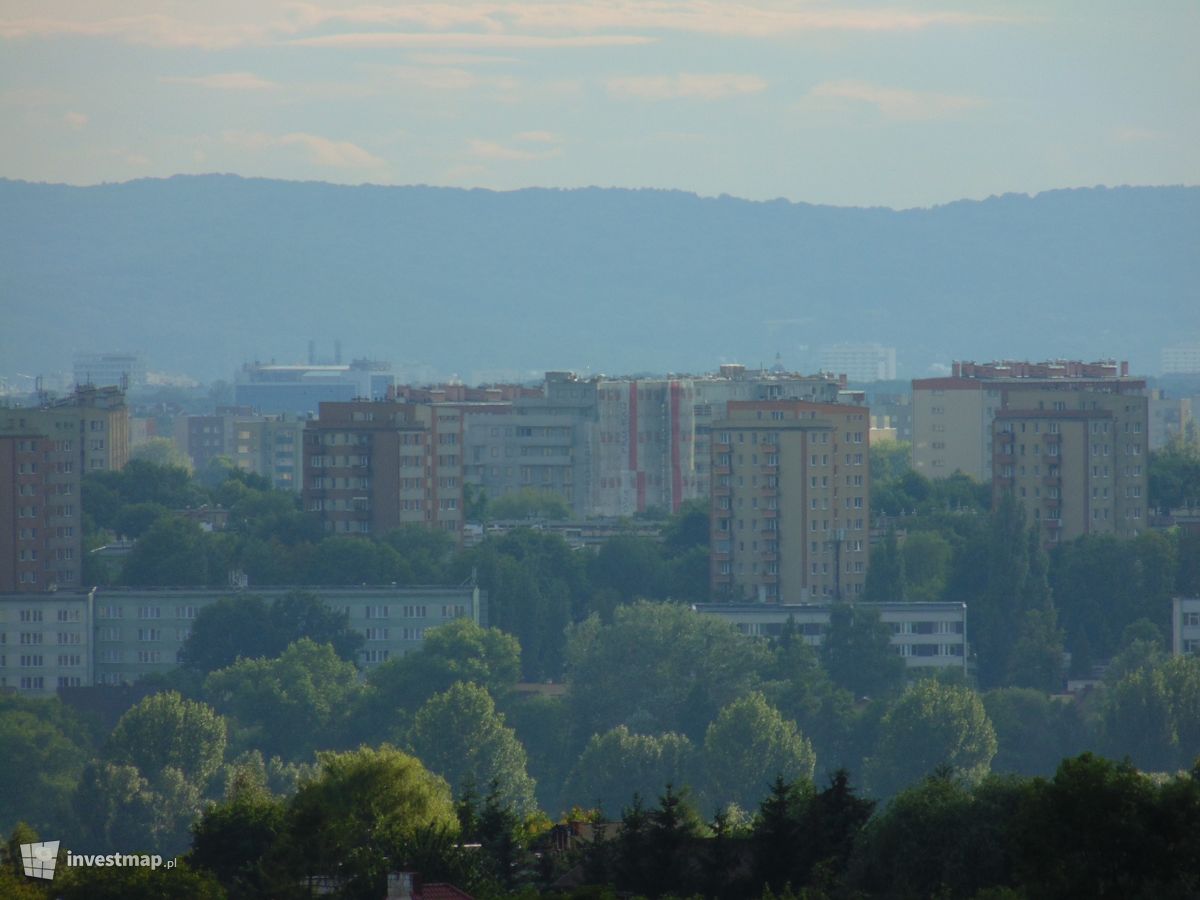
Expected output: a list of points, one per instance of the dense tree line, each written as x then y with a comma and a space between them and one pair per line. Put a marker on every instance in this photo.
658, 695
239, 753
1094, 828
944, 544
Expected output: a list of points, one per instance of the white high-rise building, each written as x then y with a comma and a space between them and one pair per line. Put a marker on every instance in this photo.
1182, 359
860, 362
123, 370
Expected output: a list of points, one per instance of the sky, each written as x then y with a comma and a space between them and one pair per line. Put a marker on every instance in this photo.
855, 103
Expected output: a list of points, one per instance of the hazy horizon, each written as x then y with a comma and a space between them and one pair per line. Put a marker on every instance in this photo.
876, 104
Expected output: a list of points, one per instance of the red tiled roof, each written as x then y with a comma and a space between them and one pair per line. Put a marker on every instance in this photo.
442, 892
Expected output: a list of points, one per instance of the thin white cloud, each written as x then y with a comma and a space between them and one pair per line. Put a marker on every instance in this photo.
76, 121
445, 78
481, 149
538, 137
225, 81
33, 97
460, 59
322, 151
467, 40
587, 23
1135, 135
690, 85
152, 29
700, 16
894, 103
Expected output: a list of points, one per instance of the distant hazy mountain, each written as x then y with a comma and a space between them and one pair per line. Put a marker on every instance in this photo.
202, 273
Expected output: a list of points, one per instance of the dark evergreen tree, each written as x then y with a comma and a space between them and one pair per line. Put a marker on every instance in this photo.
885, 574
857, 652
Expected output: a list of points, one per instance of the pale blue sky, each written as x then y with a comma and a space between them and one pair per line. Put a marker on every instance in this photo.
868, 103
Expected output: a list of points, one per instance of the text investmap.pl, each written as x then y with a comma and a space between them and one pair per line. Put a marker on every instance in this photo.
38, 860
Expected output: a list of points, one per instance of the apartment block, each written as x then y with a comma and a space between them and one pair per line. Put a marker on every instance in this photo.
608, 446
1077, 461
733, 383
1169, 417
952, 416
44, 452
925, 635
270, 446
790, 501
370, 467
644, 452
654, 435
40, 530
118, 636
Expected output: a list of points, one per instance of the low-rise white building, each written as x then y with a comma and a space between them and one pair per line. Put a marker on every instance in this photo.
926, 635
1185, 625
120, 635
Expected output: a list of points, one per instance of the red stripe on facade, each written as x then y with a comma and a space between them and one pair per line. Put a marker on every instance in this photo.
676, 468
633, 428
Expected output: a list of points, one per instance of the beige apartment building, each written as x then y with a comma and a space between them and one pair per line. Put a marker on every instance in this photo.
790, 501
953, 416
1078, 462
265, 445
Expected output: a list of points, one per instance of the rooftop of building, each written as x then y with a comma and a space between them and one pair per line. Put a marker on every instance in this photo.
776, 608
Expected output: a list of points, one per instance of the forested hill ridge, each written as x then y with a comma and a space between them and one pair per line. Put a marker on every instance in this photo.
205, 272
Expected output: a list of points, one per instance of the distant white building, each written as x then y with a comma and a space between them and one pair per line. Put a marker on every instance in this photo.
860, 362
123, 370
1182, 359
924, 635
300, 389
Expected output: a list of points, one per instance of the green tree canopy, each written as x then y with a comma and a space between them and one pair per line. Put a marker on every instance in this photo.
885, 575
291, 705
365, 813
246, 626
927, 557
1034, 732
162, 452
460, 735
42, 753
618, 764
234, 838
529, 504
1152, 713
166, 731
1175, 474
748, 745
857, 652
536, 587
632, 566
424, 551
172, 553
460, 650
687, 529
931, 725
660, 666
